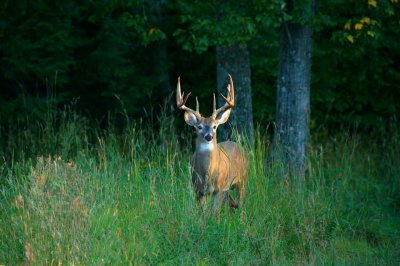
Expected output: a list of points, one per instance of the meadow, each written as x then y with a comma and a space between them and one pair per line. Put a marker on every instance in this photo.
73, 194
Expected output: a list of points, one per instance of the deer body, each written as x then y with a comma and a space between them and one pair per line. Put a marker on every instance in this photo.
215, 167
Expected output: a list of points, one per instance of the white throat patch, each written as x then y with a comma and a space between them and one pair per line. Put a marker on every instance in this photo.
203, 147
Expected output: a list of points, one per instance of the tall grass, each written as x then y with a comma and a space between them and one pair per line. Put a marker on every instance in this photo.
71, 194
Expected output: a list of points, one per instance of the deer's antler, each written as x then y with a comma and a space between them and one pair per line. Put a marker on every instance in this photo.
229, 100
181, 101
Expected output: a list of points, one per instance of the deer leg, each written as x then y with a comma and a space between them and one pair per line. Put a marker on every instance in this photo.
218, 198
200, 201
232, 203
241, 192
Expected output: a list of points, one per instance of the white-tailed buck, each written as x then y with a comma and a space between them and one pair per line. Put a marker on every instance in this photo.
215, 167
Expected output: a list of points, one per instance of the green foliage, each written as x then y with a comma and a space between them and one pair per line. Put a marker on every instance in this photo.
37, 39
298, 11
126, 198
210, 23
86, 49
355, 58
102, 54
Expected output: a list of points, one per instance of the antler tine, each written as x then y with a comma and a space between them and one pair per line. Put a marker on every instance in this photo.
229, 100
214, 103
232, 90
181, 100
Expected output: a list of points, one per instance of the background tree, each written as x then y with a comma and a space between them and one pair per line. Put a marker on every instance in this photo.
227, 27
86, 53
232, 56
293, 88
91, 53
236, 61
155, 19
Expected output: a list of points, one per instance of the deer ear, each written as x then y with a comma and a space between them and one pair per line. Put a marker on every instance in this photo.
223, 117
191, 119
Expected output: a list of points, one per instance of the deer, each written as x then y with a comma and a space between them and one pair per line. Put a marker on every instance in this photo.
215, 168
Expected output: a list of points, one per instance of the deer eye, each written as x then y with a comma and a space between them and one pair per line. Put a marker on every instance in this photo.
214, 127
200, 127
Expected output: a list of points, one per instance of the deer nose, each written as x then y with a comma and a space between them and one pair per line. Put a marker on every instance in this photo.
208, 137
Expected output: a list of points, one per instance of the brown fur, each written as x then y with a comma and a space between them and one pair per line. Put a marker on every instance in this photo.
215, 167
218, 170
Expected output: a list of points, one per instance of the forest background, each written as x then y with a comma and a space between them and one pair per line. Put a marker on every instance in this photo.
98, 54
94, 155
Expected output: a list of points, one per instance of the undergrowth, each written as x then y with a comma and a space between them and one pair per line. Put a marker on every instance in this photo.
74, 194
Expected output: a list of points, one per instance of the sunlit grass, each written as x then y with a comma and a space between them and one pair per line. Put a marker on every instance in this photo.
86, 198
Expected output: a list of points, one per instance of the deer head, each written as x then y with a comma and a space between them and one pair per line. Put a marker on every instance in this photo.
206, 127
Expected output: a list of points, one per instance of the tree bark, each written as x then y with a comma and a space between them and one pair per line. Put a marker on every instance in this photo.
293, 98
235, 61
159, 56
159, 59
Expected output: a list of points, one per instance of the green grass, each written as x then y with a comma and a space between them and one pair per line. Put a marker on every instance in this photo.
74, 195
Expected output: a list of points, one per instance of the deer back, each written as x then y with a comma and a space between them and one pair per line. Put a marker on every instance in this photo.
233, 166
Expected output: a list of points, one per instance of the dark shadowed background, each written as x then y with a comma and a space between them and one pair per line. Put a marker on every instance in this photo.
104, 56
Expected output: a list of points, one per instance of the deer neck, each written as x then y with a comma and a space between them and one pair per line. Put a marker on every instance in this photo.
206, 153
206, 148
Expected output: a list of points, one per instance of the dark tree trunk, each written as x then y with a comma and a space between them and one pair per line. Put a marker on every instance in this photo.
235, 61
159, 55
159, 59
293, 98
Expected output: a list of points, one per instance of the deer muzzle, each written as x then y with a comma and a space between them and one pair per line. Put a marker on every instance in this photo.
208, 137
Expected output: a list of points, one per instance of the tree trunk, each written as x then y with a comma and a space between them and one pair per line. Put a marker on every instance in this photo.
293, 98
159, 59
235, 61
159, 55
